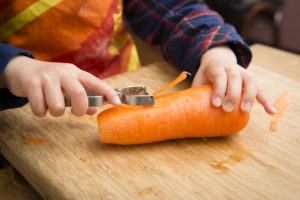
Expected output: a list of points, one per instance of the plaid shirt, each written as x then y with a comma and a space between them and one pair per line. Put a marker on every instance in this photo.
183, 29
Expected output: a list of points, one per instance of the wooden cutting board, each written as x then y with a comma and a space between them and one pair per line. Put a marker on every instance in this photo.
70, 163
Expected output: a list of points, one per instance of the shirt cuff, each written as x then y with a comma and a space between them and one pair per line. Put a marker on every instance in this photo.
221, 35
8, 100
7, 52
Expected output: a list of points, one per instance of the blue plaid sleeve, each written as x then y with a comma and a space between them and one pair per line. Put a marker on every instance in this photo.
185, 30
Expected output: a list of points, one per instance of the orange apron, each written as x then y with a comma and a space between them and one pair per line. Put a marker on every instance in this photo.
87, 33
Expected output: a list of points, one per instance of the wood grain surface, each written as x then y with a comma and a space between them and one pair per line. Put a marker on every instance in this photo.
68, 162
278, 61
14, 187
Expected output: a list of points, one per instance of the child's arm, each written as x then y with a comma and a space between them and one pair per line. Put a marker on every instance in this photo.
43, 84
186, 30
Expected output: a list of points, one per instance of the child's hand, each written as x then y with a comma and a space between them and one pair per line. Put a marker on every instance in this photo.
219, 66
43, 84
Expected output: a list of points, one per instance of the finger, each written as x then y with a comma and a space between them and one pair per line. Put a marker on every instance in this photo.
36, 99
199, 78
92, 83
265, 103
250, 91
78, 95
54, 96
218, 78
233, 91
91, 111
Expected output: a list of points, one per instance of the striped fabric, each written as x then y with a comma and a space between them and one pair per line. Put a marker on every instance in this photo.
25, 17
91, 34
87, 33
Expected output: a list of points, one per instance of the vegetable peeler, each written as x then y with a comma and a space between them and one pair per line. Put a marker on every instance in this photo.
134, 95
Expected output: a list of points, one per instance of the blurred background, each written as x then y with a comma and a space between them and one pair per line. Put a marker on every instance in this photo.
271, 22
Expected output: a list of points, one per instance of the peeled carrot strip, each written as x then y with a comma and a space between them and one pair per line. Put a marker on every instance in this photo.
273, 126
179, 79
281, 105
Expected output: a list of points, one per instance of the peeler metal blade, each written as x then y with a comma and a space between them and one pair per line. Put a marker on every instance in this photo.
135, 95
138, 100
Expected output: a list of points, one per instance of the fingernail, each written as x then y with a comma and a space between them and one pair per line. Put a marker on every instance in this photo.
228, 107
217, 102
117, 100
246, 107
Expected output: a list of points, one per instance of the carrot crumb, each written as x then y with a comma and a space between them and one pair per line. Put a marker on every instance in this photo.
34, 141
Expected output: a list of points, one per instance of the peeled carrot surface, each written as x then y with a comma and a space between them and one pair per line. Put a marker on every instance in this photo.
182, 114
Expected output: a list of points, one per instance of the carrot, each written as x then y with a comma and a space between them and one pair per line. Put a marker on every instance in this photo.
182, 114
281, 105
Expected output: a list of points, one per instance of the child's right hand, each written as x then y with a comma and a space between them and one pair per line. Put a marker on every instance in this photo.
43, 84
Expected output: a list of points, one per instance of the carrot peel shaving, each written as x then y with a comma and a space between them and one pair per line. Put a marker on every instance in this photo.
180, 78
281, 105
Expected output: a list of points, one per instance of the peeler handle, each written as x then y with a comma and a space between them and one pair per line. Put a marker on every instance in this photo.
94, 101
135, 95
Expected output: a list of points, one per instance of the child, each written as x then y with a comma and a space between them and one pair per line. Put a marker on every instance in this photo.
76, 41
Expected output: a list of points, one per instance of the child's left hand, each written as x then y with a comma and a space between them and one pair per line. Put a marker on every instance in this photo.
219, 67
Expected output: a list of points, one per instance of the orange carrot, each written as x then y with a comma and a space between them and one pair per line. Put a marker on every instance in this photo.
183, 114
281, 105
